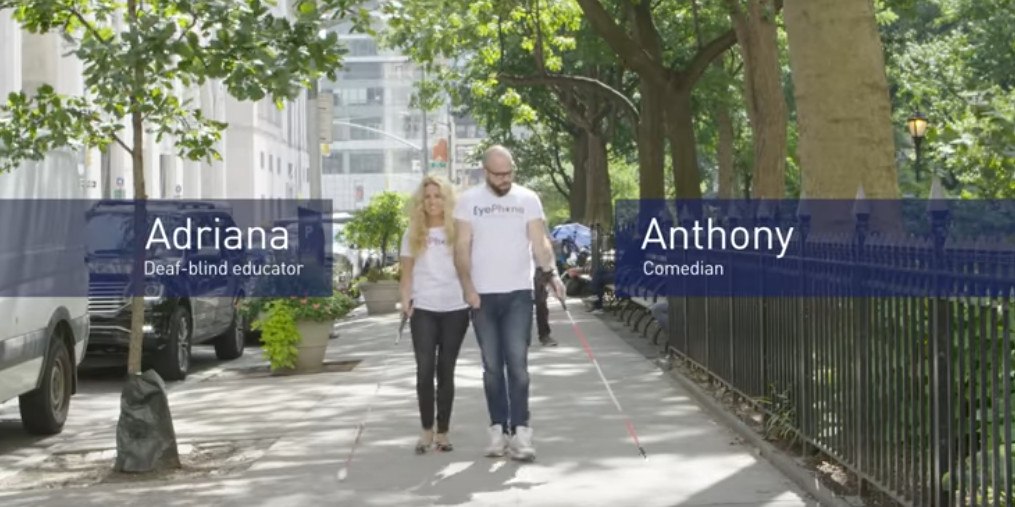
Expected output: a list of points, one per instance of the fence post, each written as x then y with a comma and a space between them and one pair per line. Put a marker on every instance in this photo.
732, 221
687, 221
941, 342
861, 337
761, 219
806, 355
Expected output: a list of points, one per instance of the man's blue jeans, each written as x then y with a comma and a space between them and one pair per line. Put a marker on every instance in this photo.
503, 325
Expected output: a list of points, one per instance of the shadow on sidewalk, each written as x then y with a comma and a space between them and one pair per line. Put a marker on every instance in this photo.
586, 455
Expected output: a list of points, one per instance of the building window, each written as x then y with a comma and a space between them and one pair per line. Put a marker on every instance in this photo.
362, 47
365, 135
366, 162
375, 96
412, 126
262, 160
362, 70
271, 164
332, 164
278, 165
290, 171
350, 96
404, 160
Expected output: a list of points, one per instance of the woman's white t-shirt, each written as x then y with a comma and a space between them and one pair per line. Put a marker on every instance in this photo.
435, 285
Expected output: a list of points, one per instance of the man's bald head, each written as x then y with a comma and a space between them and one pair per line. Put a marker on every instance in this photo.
500, 169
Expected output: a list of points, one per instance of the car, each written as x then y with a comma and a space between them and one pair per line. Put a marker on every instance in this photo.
181, 310
44, 337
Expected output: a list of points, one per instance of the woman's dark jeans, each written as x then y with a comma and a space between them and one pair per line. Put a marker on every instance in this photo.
437, 339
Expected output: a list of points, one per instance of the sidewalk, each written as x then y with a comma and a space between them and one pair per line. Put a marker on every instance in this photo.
585, 455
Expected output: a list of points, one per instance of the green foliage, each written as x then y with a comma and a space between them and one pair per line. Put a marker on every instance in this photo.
951, 59
135, 72
380, 224
500, 84
276, 318
279, 336
781, 415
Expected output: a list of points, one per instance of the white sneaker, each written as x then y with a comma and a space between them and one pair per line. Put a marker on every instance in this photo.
598, 311
498, 442
521, 444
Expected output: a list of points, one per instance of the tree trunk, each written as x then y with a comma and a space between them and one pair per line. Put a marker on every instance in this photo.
766, 105
725, 155
651, 129
680, 129
579, 164
137, 278
652, 142
598, 198
843, 108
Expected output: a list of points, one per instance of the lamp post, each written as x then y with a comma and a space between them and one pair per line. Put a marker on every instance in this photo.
917, 129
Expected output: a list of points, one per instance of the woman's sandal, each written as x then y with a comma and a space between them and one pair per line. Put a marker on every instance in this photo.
443, 446
422, 446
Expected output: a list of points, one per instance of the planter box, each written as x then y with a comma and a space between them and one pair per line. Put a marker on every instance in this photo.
380, 297
312, 347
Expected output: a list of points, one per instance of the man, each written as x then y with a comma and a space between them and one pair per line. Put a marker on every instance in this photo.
600, 279
542, 305
501, 230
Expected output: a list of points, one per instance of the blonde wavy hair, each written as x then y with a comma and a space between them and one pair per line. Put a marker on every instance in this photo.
418, 230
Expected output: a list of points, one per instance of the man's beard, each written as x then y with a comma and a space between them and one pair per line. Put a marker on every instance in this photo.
501, 192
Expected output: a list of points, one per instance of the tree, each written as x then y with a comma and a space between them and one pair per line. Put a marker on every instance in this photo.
672, 83
130, 78
843, 108
380, 224
757, 34
526, 65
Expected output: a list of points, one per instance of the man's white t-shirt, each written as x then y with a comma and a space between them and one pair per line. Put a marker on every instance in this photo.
501, 253
435, 285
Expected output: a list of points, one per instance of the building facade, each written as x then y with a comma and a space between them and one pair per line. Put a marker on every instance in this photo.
377, 136
264, 150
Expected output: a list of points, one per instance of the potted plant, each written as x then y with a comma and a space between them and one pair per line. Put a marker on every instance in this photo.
294, 330
379, 227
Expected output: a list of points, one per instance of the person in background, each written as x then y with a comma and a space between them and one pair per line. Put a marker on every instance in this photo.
600, 279
541, 296
432, 299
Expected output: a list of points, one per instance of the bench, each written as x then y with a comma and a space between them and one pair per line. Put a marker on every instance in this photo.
633, 308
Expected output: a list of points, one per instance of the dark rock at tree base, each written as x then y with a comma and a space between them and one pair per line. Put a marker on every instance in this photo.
145, 437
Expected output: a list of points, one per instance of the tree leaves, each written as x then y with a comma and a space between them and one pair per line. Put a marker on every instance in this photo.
139, 67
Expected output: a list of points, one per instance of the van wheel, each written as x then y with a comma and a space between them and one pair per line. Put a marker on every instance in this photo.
44, 410
230, 345
173, 362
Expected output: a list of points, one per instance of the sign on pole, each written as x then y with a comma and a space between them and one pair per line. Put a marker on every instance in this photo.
325, 116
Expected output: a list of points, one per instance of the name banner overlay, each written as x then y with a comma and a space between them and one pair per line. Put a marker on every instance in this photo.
814, 248
183, 248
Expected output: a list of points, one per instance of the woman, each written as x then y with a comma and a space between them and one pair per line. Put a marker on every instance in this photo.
432, 298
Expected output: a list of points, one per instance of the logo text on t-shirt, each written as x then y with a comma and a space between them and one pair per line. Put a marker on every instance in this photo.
432, 241
497, 210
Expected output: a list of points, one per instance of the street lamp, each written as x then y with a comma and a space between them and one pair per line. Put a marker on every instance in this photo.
917, 129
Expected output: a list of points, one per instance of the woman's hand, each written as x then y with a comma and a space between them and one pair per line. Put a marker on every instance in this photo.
407, 307
472, 299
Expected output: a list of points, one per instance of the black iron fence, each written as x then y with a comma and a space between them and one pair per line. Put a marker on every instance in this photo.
909, 386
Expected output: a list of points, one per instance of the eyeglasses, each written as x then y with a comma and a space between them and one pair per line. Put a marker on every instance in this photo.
502, 175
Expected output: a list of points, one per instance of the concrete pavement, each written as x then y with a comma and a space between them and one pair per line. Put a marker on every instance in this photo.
585, 455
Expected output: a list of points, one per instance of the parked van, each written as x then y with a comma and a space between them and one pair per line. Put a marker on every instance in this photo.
43, 337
